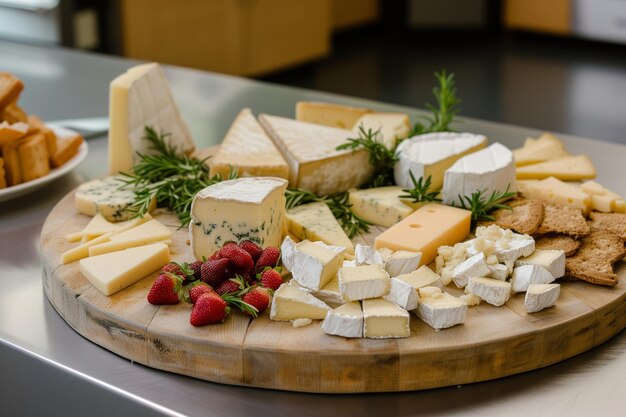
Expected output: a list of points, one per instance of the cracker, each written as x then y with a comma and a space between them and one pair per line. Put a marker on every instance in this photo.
614, 222
558, 242
561, 219
594, 261
10, 89
525, 217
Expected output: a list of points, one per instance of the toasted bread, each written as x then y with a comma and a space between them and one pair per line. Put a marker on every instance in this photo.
10, 89
558, 242
594, 261
34, 159
562, 219
614, 222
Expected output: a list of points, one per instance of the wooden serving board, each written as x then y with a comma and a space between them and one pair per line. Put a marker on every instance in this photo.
493, 342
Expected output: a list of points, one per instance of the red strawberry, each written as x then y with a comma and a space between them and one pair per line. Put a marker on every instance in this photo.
196, 289
252, 248
215, 255
232, 285
214, 271
239, 261
196, 268
269, 257
209, 308
257, 297
166, 289
271, 278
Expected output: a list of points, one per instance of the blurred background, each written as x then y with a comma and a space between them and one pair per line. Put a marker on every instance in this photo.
550, 64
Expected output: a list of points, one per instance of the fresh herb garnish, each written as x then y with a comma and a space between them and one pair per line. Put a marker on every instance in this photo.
171, 178
481, 206
420, 193
339, 205
446, 109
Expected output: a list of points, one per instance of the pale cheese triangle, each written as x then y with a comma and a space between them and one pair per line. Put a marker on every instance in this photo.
391, 126
568, 168
543, 149
315, 222
97, 226
247, 148
149, 232
329, 114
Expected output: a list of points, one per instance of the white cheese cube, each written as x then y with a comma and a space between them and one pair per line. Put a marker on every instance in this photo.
361, 282
552, 260
314, 265
470, 299
345, 320
540, 296
287, 252
441, 312
402, 262
515, 248
493, 291
473, 267
290, 303
367, 255
525, 275
498, 271
329, 293
383, 319
301, 322
403, 288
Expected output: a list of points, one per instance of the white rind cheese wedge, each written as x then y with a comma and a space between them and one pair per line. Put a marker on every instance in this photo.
242, 209
552, 260
525, 275
104, 196
112, 272
138, 98
488, 170
291, 303
247, 148
567, 168
383, 319
540, 296
499, 272
381, 206
367, 255
315, 221
440, 310
430, 155
391, 126
321, 169
493, 291
329, 114
330, 293
149, 232
287, 251
402, 262
472, 267
313, 266
345, 320
403, 288
361, 282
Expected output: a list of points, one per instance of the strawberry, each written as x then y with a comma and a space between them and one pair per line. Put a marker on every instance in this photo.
257, 297
232, 285
209, 308
239, 261
215, 255
181, 270
269, 257
196, 268
214, 271
166, 289
252, 248
271, 278
197, 288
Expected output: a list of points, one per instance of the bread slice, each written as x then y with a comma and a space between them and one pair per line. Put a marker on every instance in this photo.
66, 149
39, 127
594, 260
525, 217
3, 181
558, 242
562, 219
13, 114
12, 168
34, 158
614, 222
10, 89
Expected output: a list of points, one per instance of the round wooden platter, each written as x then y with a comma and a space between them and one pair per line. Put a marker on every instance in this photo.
493, 342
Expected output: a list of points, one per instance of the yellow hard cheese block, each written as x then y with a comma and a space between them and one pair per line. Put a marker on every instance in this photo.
113, 272
544, 148
553, 190
315, 221
381, 206
603, 199
327, 114
568, 168
431, 226
149, 232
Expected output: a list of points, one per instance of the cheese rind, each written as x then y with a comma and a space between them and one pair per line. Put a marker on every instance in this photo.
313, 266
402, 262
540, 296
475, 266
361, 282
236, 210
442, 311
403, 288
290, 303
493, 291
315, 221
525, 275
552, 260
383, 319
390, 126
329, 114
112, 272
345, 320
367, 255
381, 206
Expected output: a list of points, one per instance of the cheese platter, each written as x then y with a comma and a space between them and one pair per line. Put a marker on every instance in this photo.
341, 251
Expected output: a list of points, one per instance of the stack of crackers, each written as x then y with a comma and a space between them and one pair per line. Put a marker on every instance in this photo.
28, 148
592, 246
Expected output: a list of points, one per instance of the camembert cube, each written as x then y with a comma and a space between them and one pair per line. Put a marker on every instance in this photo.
440, 310
313, 265
361, 282
403, 288
242, 209
345, 320
381, 206
552, 260
383, 319
291, 303
493, 291
540, 296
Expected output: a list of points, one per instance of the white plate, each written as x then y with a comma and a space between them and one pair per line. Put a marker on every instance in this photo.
19, 190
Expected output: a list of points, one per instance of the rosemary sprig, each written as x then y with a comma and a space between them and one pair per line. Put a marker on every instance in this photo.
445, 111
481, 206
339, 205
420, 192
381, 158
171, 178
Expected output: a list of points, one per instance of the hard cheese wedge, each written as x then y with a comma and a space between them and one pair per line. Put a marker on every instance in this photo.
345, 320
149, 232
383, 319
97, 226
328, 114
315, 164
391, 126
138, 98
568, 168
430, 155
112, 272
431, 226
242, 209
315, 221
552, 190
381, 206
291, 303
247, 148
542, 149
603, 199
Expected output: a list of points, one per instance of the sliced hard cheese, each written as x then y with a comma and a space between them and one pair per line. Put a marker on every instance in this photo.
290, 303
313, 265
97, 226
381, 206
552, 190
247, 148
568, 168
327, 114
361, 282
390, 126
431, 226
345, 320
545, 148
488, 170
112, 272
315, 221
540, 296
138, 98
383, 319
603, 199
242, 209
315, 164
430, 155
149, 232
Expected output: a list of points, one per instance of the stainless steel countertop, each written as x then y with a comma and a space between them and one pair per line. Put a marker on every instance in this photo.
48, 369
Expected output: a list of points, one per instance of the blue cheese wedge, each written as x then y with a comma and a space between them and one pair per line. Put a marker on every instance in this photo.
382, 206
313, 265
383, 319
291, 303
315, 221
361, 282
492, 291
525, 275
242, 209
345, 320
540, 296
440, 310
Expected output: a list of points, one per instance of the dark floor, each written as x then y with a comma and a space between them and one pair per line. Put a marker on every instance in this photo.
566, 85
